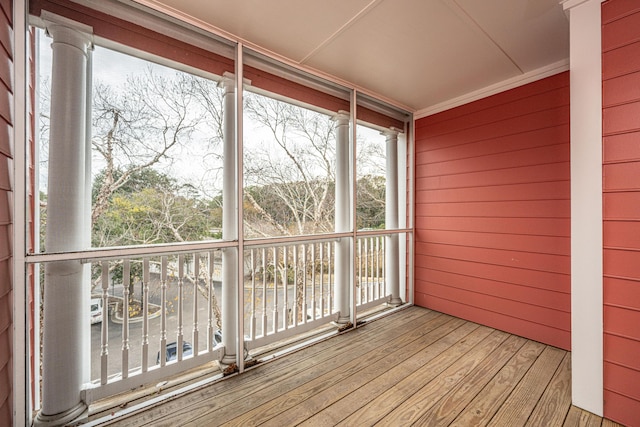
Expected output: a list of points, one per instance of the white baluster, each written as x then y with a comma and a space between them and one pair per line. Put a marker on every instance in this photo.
145, 315
322, 296
196, 277
126, 282
275, 290
210, 317
104, 336
163, 314
294, 309
253, 294
180, 337
264, 292
330, 283
285, 282
313, 281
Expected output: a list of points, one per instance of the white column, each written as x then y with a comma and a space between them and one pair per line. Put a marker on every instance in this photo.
392, 268
229, 225
586, 204
66, 293
342, 217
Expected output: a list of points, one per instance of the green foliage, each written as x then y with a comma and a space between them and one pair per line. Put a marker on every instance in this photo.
154, 208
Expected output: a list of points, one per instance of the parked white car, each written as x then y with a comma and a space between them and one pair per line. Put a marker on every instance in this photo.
96, 310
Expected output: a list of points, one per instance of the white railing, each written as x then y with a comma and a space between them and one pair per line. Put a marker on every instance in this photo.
159, 317
370, 274
160, 311
289, 289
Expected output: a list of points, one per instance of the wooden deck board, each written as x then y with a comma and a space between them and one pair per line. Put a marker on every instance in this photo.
412, 367
555, 402
226, 392
311, 403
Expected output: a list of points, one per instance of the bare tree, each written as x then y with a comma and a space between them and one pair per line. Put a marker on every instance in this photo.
289, 179
294, 168
137, 127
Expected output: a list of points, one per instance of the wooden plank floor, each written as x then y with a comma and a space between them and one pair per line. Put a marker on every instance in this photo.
414, 367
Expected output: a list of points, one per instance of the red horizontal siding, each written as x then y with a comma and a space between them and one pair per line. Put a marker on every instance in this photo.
621, 31
538, 298
494, 271
507, 176
622, 263
621, 148
493, 211
535, 226
625, 206
621, 209
496, 319
621, 118
623, 350
622, 234
458, 116
521, 209
621, 61
621, 176
623, 293
620, 90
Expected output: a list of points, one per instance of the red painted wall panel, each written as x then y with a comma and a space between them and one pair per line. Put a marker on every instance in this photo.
621, 210
493, 211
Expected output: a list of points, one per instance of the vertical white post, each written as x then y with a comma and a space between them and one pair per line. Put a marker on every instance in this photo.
392, 268
229, 225
342, 217
66, 301
20, 366
586, 204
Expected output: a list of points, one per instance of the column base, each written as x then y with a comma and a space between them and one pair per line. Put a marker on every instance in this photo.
74, 416
395, 302
228, 359
343, 320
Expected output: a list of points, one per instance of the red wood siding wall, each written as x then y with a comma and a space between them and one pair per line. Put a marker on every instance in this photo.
621, 198
493, 211
6, 165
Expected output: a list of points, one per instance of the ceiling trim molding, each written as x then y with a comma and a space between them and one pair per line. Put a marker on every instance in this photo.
521, 80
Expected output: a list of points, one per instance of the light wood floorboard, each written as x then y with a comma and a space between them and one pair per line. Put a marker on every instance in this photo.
414, 367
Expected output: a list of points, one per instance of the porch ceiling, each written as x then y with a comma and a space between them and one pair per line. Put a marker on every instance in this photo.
418, 53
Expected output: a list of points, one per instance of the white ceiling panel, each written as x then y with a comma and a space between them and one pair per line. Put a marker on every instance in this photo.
419, 53
533, 33
291, 28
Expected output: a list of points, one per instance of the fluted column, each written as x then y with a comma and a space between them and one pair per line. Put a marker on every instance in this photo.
66, 336
342, 217
392, 259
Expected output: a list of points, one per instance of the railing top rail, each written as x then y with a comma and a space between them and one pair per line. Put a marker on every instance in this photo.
99, 254
370, 233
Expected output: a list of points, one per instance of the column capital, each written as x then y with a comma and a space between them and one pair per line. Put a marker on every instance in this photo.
228, 81
67, 31
342, 118
391, 132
